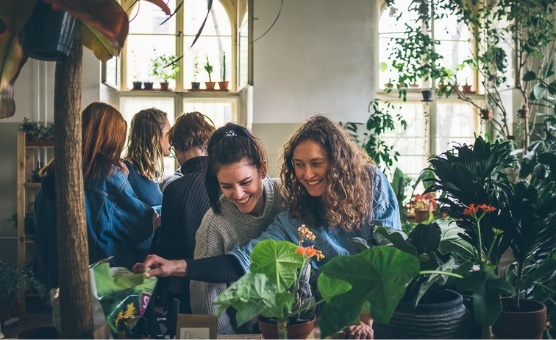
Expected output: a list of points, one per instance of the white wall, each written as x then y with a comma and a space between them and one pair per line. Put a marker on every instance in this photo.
316, 58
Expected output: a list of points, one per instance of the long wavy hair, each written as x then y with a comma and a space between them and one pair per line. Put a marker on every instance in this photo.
347, 200
103, 139
192, 129
143, 145
231, 144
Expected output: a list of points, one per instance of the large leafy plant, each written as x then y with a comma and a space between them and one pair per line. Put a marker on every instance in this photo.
497, 213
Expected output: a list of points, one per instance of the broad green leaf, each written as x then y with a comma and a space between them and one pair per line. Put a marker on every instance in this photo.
378, 276
539, 91
277, 260
397, 240
328, 287
529, 75
486, 289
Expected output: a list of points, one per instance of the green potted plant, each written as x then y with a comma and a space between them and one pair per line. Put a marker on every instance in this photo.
166, 67
208, 67
497, 214
277, 287
37, 133
12, 280
223, 83
195, 85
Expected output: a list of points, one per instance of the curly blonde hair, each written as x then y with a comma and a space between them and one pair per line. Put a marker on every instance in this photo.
346, 201
143, 144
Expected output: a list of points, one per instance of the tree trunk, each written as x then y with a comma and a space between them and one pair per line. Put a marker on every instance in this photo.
73, 256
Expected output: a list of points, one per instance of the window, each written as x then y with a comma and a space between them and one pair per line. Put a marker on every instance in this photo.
222, 44
433, 126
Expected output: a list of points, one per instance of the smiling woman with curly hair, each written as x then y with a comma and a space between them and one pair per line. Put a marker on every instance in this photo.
332, 187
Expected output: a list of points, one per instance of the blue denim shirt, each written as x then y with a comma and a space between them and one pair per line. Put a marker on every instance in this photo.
336, 241
118, 223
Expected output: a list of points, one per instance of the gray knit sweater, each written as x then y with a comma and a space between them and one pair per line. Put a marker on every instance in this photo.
218, 234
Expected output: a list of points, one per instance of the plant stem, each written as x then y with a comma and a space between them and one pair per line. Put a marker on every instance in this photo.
423, 272
282, 330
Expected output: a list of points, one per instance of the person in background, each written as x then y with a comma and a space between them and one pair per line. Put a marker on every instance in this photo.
331, 186
244, 202
146, 148
184, 202
118, 222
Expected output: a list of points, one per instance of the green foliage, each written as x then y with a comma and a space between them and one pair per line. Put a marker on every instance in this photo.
380, 121
12, 279
378, 277
223, 68
166, 67
271, 287
208, 68
36, 129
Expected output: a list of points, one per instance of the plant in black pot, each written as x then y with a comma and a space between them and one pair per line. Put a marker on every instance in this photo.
498, 214
430, 307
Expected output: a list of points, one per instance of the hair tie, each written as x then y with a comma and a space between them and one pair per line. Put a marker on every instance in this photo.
231, 133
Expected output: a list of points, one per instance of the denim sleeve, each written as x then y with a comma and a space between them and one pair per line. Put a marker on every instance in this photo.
385, 205
133, 219
282, 228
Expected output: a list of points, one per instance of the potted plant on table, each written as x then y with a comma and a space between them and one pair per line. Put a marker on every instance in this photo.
166, 67
208, 67
498, 215
277, 287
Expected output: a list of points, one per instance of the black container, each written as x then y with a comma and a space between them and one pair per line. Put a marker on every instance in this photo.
48, 34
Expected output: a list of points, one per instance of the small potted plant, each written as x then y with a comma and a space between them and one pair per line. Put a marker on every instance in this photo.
422, 206
223, 83
466, 88
208, 67
195, 85
36, 133
165, 67
276, 287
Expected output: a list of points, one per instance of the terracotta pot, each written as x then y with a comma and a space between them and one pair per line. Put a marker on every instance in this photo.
486, 114
164, 86
466, 88
223, 85
295, 331
527, 323
421, 215
209, 85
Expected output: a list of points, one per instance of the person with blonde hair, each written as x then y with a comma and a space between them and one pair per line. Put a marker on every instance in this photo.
118, 222
146, 148
184, 202
331, 186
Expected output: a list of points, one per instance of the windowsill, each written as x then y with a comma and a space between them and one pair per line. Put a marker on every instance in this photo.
185, 93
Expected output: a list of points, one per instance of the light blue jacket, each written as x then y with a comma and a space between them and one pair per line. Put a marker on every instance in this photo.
335, 242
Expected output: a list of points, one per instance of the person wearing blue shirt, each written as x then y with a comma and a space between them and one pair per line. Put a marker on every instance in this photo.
331, 186
118, 222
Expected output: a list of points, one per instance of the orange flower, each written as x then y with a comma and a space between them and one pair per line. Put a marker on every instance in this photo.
307, 251
473, 209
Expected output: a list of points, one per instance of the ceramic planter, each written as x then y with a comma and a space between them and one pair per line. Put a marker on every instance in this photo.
48, 34
209, 85
427, 95
529, 322
137, 85
164, 86
444, 316
148, 85
195, 85
223, 85
295, 331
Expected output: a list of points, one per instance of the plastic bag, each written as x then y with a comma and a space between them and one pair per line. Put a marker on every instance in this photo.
123, 296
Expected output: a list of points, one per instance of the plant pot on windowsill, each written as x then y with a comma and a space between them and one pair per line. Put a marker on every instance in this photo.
466, 88
195, 85
148, 85
427, 95
209, 85
137, 85
486, 114
223, 85
165, 86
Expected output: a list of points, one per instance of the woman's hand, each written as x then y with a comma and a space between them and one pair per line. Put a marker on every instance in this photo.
363, 330
157, 266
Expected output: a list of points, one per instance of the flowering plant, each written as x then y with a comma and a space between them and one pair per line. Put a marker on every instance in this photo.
424, 202
277, 286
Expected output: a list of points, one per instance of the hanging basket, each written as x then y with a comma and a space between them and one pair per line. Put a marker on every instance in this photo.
48, 34
486, 114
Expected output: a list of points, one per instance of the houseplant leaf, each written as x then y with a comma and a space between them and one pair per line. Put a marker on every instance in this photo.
277, 260
378, 276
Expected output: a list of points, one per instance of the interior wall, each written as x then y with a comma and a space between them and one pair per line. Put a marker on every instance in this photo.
317, 58
34, 99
